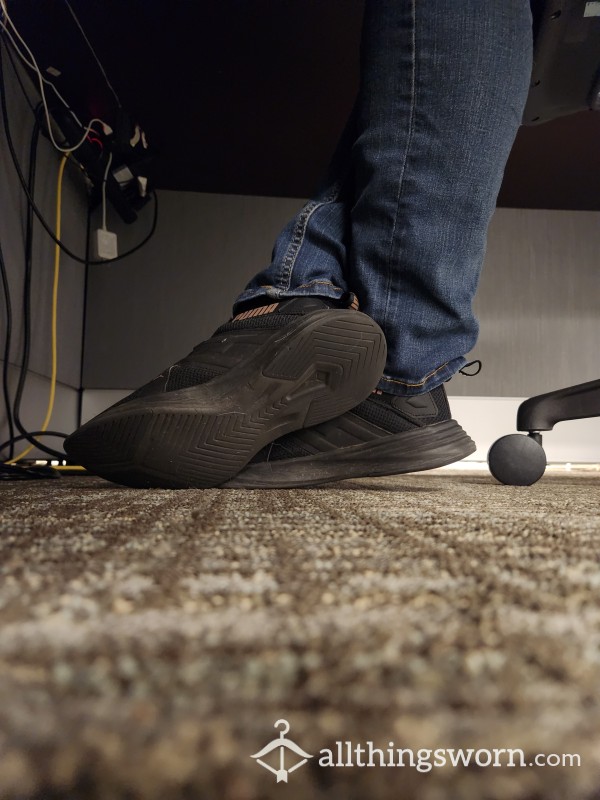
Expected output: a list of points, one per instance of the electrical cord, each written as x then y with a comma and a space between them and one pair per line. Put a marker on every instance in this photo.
27, 63
104, 179
36, 210
20, 80
27, 435
27, 301
5, 386
86, 277
10, 473
22, 438
27, 297
28, 187
27, 285
17, 74
41, 81
52, 395
89, 44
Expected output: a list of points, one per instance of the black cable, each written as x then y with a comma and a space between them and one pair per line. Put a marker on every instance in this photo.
19, 79
33, 108
84, 319
33, 146
28, 188
22, 438
34, 207
93, 52
5, 387
8, 472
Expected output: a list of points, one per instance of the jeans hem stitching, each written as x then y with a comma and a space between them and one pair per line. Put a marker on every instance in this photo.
422, 383
299, 232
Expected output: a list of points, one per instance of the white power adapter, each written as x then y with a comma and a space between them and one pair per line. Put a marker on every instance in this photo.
105, 245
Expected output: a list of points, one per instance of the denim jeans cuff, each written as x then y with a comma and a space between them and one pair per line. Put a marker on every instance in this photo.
315, 289
404, 388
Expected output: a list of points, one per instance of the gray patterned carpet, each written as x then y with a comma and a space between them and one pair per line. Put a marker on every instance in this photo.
149, 640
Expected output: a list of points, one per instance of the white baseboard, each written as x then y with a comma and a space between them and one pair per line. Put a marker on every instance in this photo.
485, 419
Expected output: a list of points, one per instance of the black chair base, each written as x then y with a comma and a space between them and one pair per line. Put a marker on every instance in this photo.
519, 460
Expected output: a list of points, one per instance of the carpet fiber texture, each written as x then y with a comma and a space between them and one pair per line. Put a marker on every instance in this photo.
149, 640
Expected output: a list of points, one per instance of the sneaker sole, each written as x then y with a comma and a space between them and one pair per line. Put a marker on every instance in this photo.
411, 451
313, 370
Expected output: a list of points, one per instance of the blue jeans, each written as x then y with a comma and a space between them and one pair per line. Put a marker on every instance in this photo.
401, 219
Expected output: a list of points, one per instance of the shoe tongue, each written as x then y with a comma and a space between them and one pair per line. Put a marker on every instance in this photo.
295, 305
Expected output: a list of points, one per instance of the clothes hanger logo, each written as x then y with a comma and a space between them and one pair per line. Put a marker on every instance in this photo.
283, 744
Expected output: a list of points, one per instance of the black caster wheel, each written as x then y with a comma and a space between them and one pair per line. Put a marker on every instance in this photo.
517, 460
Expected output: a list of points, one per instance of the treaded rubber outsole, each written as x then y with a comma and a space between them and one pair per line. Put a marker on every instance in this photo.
313, 370
410, 451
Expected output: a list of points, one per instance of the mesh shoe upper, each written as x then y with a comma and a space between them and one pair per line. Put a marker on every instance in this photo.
381, 414
230, 344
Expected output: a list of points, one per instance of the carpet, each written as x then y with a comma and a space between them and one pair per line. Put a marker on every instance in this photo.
150, 640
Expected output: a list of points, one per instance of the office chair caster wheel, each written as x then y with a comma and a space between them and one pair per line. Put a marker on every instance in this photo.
517, 460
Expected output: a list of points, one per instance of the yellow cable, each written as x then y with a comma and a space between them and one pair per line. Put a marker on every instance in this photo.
46, 422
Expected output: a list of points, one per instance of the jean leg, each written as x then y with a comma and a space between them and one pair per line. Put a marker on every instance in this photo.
310, 253
443, 87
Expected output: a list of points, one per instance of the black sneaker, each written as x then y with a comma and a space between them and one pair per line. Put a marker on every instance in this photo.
268, 371
383, 435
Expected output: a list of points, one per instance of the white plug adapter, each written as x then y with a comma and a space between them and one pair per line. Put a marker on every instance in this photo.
105, 245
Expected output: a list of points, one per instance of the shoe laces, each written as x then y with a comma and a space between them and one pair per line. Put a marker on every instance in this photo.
470, 364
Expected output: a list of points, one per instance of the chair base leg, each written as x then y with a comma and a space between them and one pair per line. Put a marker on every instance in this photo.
542, 412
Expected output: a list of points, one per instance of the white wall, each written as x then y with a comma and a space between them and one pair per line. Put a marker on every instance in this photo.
537, 301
